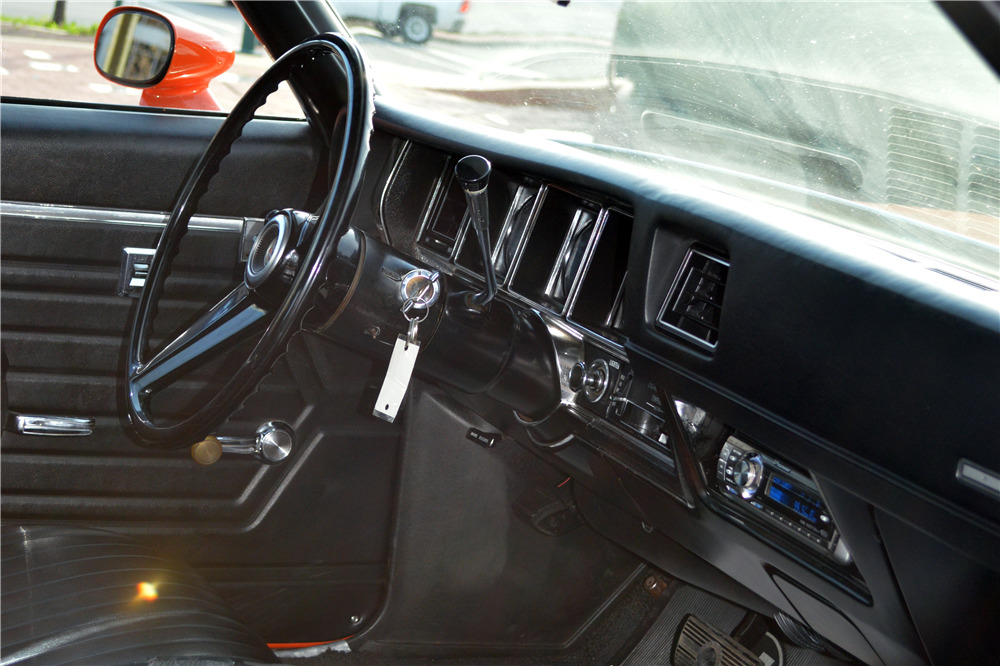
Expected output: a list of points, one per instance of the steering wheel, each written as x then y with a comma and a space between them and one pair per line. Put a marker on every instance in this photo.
286, 267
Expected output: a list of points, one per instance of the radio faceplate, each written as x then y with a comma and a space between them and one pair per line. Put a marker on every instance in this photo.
771, 490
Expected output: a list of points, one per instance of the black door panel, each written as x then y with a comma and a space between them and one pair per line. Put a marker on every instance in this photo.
245, 525
137, 159
64, 324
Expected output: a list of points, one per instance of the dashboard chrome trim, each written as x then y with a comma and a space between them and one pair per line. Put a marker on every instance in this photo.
978, 477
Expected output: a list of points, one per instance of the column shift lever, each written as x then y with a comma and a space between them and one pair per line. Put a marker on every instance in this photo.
473, 173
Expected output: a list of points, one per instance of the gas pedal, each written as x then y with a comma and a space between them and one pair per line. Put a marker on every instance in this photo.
699, 644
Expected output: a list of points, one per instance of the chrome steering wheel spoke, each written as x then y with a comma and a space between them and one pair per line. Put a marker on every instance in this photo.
231, 320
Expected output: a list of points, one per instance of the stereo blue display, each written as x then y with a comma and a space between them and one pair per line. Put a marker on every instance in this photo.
790, 497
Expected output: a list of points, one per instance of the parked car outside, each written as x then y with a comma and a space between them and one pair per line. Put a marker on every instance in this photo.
414, 21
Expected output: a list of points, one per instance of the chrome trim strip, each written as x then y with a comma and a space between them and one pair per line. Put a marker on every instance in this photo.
522, 242
390, 182
436, 198
56, 212
340, 646
580, 219
53, 426
521, 196
567, 342
976, 476
588, 256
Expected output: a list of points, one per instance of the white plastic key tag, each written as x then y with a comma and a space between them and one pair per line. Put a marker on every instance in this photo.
397, 379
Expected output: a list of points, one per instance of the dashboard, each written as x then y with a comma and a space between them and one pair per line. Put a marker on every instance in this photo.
564, 255
664, 323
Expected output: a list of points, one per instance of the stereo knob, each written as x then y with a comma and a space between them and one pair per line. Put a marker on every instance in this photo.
748, 471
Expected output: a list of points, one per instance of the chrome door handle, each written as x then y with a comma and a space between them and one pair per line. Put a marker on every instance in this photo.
53, 426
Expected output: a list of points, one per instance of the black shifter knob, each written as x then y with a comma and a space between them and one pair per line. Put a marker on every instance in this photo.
473, 173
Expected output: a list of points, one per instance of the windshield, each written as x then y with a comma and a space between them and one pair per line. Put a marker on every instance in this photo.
875, 116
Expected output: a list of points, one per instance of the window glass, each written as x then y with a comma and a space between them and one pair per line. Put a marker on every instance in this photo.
44, 61
877, 116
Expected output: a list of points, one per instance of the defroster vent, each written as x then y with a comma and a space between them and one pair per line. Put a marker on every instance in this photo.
693, 307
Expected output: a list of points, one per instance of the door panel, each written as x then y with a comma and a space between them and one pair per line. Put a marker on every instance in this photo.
136, 159
245, 525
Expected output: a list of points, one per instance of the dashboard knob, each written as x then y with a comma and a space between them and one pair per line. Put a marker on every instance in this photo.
595, 380
748, 472
473, 173
576, 376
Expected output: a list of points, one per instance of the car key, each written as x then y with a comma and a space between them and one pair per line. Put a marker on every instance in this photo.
404, 356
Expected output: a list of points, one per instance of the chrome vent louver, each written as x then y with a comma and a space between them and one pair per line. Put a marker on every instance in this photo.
693, 306
922, 168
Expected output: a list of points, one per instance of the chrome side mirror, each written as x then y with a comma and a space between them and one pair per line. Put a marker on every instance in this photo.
134, 47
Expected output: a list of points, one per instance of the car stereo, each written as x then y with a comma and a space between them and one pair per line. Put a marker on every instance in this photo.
773, 491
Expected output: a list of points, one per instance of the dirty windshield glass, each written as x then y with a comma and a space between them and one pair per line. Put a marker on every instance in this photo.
876, 116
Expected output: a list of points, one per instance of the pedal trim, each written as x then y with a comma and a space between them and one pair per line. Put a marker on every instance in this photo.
700, 644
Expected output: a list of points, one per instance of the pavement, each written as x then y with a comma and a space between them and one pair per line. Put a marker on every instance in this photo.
553, 57
81, 12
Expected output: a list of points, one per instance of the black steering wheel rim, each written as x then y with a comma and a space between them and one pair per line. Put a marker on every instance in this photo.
355, 121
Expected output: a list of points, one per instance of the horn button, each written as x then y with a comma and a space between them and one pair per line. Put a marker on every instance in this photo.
273, 252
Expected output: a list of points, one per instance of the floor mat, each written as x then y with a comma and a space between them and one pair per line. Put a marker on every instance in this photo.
657, 645
616, 628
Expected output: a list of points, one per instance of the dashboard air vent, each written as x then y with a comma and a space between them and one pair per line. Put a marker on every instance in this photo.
693, 307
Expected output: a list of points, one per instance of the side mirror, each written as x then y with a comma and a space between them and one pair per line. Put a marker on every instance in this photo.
134, 48
172, 59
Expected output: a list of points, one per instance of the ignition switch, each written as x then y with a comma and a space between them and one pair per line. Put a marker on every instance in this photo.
421, 286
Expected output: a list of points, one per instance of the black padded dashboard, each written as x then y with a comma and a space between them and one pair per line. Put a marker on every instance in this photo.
862, 353
869, 371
